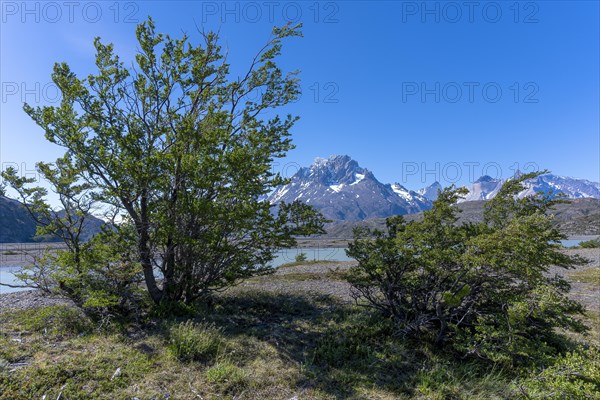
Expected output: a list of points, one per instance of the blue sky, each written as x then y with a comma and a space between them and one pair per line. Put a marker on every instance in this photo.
416, 93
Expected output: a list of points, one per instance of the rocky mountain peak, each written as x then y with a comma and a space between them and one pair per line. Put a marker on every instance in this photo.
335, 170
430, 192
343, 190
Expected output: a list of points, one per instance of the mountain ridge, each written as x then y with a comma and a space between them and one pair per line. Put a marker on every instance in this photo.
17, 225
578, 217
343, 190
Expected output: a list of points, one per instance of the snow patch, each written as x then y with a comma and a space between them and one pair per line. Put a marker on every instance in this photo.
358, 177
400, 191
280, 193
336, 188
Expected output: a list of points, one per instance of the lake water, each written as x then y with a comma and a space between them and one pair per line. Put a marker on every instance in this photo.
283, 257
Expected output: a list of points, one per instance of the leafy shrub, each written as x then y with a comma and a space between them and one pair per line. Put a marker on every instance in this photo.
301, 257
478, 289
101, 276
194, 200
195, 341
590, 244
576, 375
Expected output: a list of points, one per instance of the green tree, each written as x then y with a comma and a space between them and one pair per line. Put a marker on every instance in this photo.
182, 152
483, 288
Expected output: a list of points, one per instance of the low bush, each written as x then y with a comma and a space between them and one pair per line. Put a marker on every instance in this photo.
479, 289
576, 375
301, 257
590, 244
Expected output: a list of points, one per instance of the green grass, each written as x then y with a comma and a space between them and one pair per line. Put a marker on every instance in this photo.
195, 341
254, 344
331, 275
249, 344
307, 262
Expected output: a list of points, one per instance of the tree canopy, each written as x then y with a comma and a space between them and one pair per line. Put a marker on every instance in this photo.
179, 153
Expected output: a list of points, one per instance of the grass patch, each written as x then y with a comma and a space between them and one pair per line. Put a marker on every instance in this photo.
590, 276
195, 341
57, 320
332, 275
308, 262
229, 377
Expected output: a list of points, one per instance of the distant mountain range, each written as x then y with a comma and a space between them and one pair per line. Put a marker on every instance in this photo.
487, 187
17, 225
344, 191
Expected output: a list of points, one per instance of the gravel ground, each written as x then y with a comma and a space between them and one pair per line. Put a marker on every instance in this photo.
30, 299
321, 284
278, 283
587, 294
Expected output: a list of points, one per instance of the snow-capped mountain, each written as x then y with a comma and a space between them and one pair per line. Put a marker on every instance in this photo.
486, 188
430, 192
483, 188
411, 197
554, 184
343, 190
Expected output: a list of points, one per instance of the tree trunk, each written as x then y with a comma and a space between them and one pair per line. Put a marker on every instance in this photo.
443, 324
144, 252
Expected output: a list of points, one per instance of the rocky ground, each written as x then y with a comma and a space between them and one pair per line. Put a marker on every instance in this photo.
583, 291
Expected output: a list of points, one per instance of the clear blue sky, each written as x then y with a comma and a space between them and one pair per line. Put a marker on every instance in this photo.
400, 87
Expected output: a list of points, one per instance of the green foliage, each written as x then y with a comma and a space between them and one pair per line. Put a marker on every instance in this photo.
575, 375
590, 244
180, 153
301, 257
480, 288
195, 341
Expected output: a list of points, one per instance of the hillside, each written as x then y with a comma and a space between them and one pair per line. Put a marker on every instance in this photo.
579, 217
17, 226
